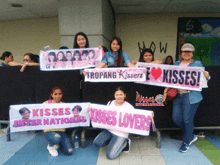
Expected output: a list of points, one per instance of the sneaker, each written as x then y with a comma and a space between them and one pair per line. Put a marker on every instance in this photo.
194, 139
56, 146
184, 147
52, 150
128, 146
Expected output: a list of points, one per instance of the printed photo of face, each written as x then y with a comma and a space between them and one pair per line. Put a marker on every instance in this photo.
25, 113
60, 56
52, 57
76, 110
84, 55
69, 56
91, 54
77, 56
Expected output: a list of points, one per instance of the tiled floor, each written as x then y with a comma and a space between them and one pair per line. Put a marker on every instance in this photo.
143, 152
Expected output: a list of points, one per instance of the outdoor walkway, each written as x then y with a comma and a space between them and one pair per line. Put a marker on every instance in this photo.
29, 148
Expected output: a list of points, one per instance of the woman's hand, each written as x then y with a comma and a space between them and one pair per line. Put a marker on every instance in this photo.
102, 65
130, 64
84, 73
206, 74
23, 67
165, 95
100, 47
134, 62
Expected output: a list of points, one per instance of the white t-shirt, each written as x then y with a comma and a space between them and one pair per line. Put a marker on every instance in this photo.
119, 133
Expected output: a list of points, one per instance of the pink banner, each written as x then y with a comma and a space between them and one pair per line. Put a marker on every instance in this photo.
115, 74
125, 119
70, 59
189, 78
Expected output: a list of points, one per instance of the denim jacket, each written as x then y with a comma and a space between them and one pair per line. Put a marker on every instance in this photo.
194, 96
109, 58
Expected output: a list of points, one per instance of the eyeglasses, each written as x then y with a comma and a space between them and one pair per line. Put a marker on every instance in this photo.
26, 60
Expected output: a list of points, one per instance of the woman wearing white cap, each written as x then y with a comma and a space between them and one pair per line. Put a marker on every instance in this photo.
187, 102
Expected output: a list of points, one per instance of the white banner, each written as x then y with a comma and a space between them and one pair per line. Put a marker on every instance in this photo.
48, 116
115, 74
70, 59
125, 119
189, 78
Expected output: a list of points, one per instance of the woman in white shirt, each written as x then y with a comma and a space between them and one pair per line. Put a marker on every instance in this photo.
117, 141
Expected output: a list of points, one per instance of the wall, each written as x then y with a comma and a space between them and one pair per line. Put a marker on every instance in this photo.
29, 35
134, 28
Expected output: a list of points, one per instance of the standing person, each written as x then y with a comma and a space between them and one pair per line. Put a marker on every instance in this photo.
8, 60
169, 60
81, 41
117, 141
57, 136
115, 56
147, 55
187, 102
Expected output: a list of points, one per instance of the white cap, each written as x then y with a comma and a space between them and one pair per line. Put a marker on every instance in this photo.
188, 47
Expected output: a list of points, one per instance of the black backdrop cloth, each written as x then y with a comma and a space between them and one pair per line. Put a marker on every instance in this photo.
33, 86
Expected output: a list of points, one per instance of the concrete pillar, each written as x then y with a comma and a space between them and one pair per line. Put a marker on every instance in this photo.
93, 17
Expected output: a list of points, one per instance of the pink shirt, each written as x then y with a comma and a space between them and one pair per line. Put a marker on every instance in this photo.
119, 133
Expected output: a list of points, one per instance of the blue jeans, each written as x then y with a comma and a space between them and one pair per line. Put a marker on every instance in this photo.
115, 143
183, 115
58, 137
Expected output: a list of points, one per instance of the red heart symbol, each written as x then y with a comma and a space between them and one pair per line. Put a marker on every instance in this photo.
156, 72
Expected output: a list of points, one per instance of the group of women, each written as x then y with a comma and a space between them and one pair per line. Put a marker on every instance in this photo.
184, 105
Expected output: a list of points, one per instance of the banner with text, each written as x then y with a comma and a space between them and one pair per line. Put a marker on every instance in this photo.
48, 116
70, 59
115, 74
125, 119
189, 78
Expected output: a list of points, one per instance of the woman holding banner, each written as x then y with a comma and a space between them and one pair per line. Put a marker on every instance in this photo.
115, 56
117, 141
187, 102
57, 136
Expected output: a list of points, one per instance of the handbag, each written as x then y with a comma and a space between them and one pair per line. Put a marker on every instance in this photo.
171, 93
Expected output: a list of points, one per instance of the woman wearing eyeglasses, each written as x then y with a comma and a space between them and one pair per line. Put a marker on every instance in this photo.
28, 60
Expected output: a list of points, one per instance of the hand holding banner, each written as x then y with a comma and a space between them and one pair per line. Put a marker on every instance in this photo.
124, 119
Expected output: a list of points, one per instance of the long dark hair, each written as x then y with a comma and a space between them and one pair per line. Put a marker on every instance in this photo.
120, 60
170, 58
75, 45
141, 59
5, 54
